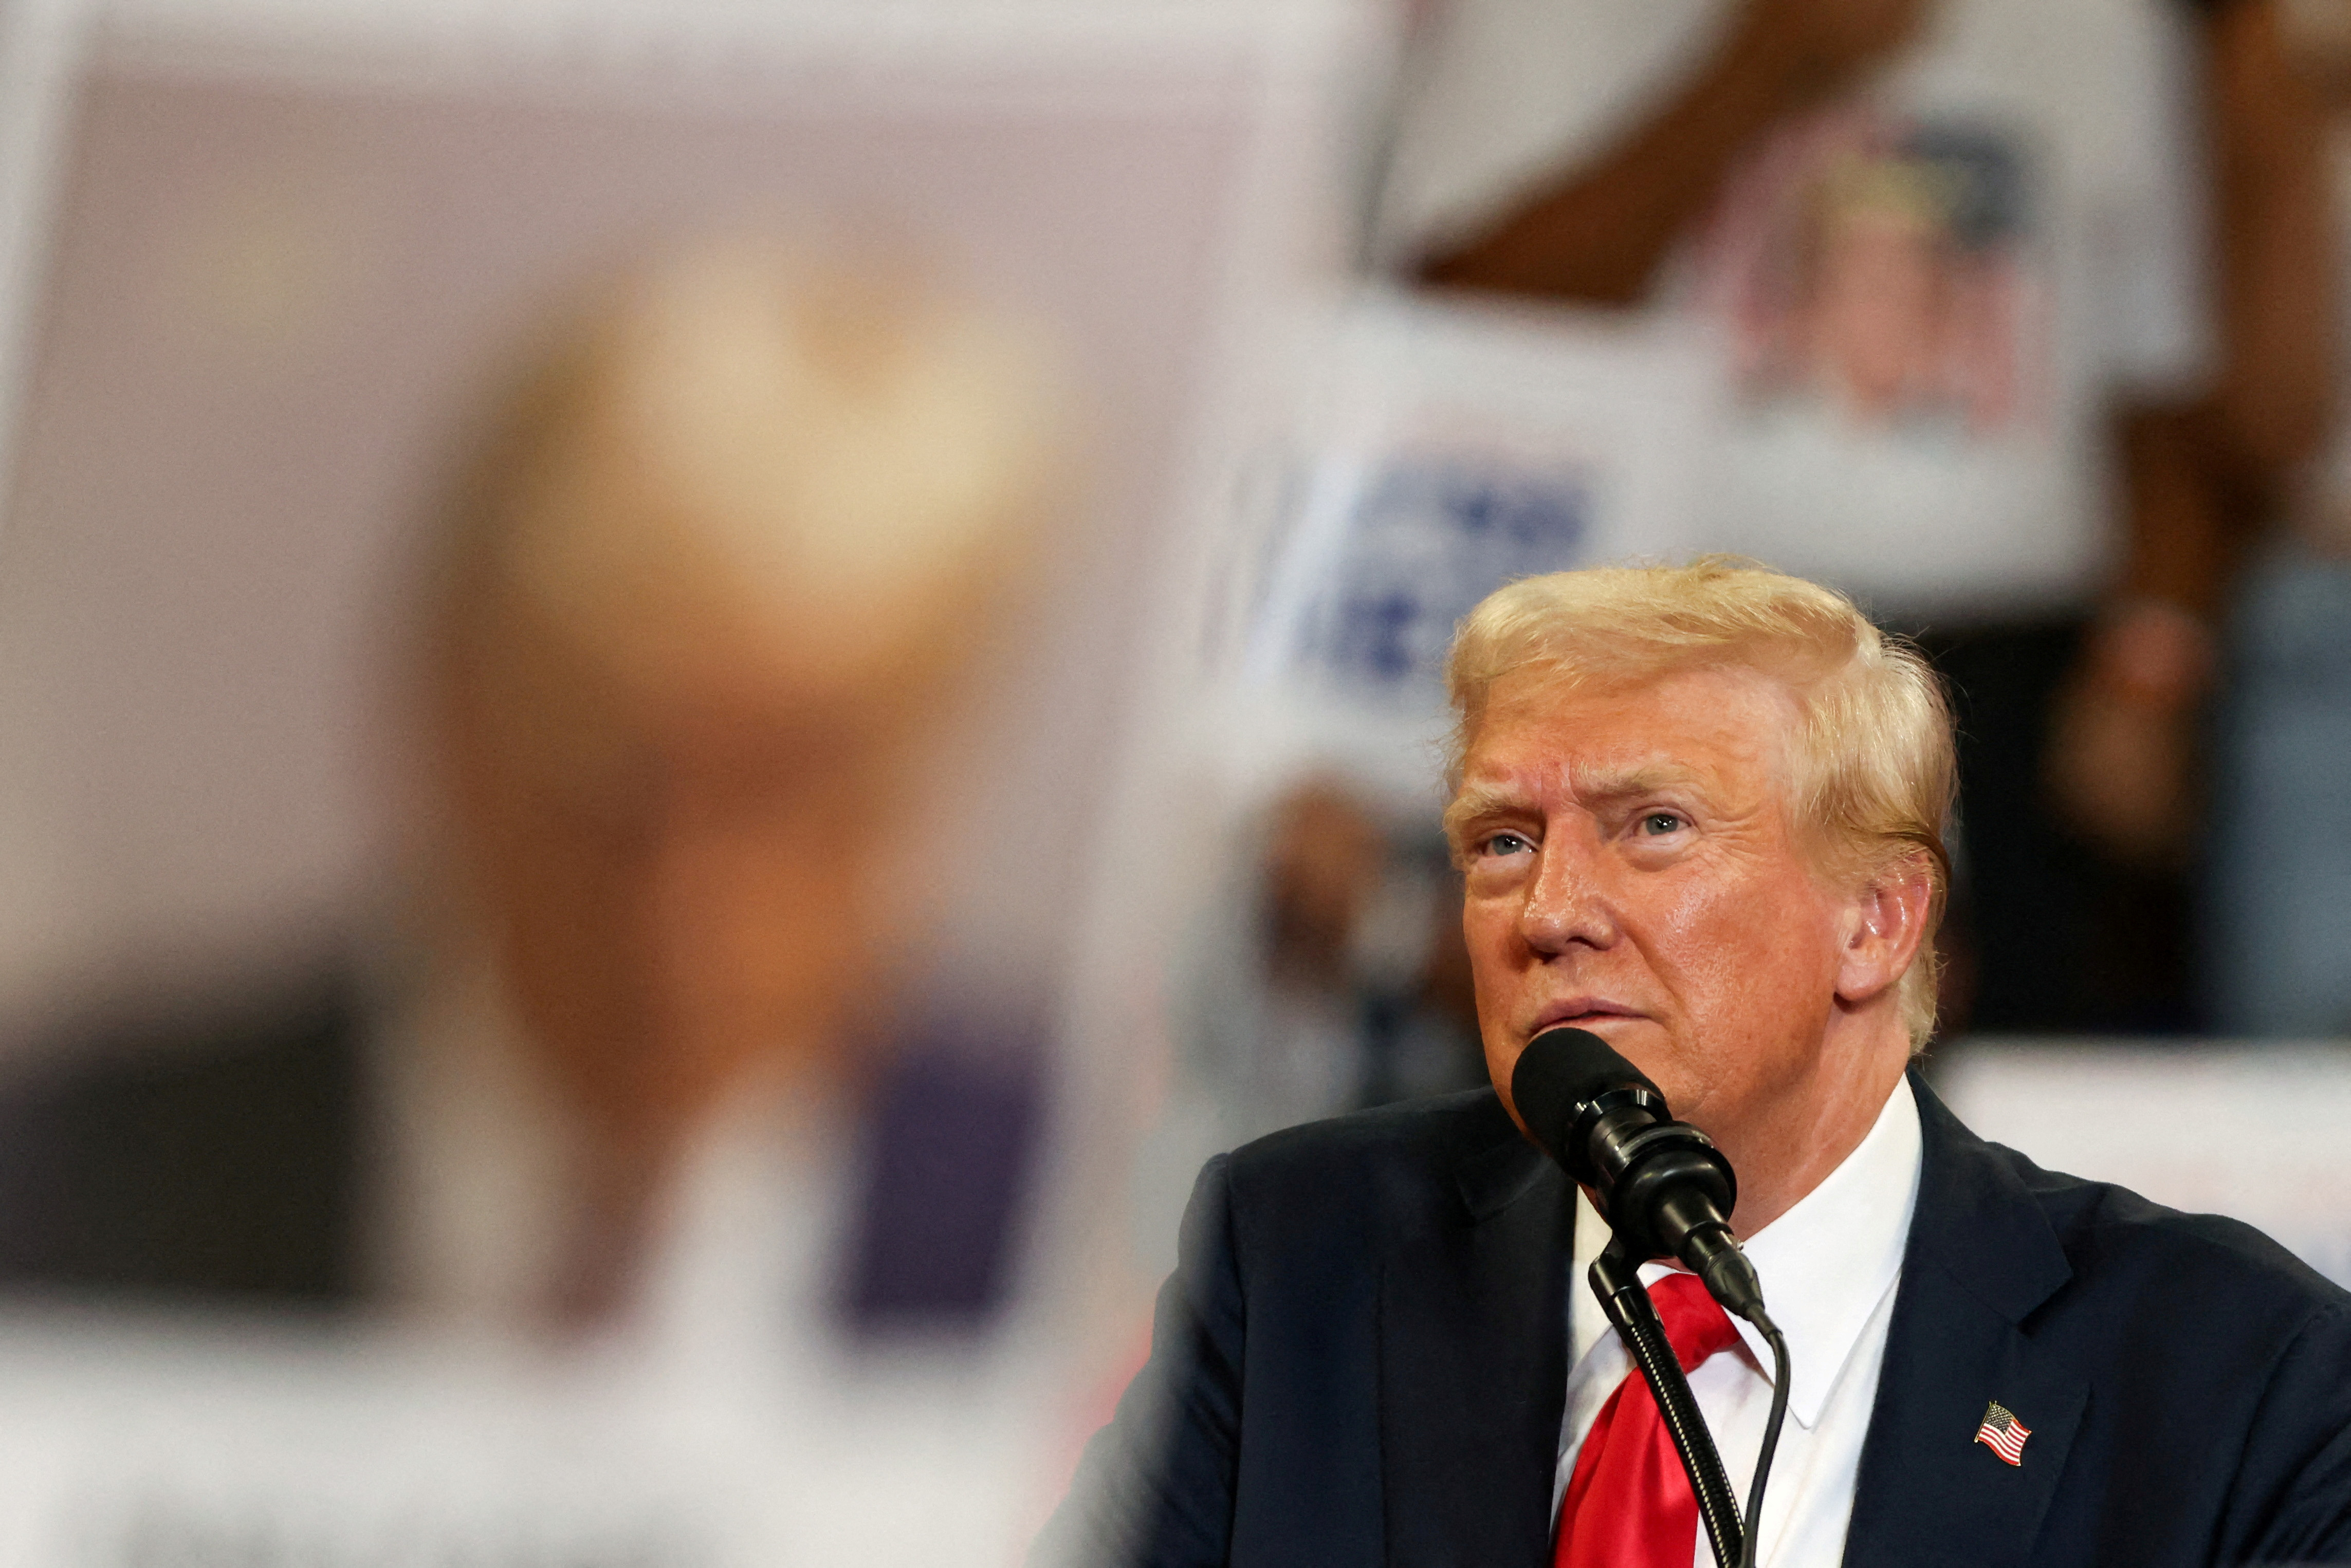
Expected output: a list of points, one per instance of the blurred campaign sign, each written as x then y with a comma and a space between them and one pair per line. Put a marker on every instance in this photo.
277, 255
2252, 1132
274, 260
1450, 447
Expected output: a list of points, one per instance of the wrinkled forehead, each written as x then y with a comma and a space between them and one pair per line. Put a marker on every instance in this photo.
1718, 729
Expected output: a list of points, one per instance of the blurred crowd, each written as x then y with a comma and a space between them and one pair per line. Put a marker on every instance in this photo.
2026, 313
2030, 316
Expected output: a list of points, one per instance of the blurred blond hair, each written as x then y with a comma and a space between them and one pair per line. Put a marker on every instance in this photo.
816, 444
1872, 758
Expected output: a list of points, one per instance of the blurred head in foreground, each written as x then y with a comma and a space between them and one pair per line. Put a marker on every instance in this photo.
715, 570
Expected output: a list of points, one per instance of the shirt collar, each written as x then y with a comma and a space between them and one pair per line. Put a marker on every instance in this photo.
1829, 1261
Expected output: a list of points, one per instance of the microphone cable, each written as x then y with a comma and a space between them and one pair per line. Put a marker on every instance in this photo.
1772, 1425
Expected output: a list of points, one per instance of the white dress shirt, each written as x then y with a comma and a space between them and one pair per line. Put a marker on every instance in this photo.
1829, 1267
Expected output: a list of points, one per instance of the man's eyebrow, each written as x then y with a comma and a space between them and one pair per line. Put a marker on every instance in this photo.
1476, 801
1479, 800
1615, 784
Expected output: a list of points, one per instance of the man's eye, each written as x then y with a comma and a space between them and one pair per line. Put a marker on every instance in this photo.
1506, 844
1662, 822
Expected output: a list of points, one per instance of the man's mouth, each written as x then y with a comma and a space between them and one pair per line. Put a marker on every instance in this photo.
1579, 1012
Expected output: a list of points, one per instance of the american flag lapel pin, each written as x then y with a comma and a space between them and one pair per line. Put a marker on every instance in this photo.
2003, 1433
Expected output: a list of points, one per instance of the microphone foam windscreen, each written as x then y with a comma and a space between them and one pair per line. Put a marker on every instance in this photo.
1561, 1069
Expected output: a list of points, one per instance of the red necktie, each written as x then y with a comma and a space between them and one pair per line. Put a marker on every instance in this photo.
1629, 1503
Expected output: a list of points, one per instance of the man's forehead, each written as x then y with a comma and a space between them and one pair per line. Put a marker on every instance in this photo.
1696, 728
1584, 777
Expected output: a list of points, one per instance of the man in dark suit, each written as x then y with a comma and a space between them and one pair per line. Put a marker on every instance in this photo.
1698, 813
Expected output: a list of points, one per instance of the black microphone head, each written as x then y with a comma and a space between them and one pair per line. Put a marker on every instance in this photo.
1661, 1184
1561, 1072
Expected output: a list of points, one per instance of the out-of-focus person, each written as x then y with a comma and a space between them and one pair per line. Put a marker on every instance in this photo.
1336, 979
1938, 242
692, 615
2235, 627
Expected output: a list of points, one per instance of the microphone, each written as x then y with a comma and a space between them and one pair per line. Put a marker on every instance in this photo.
1661, 1184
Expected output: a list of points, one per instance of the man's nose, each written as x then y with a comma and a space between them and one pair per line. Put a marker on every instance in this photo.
1567, 903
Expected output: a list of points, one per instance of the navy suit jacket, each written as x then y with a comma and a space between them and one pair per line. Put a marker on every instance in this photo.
1361, 1359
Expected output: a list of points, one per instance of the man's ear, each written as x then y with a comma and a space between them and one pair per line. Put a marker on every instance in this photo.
1885, 925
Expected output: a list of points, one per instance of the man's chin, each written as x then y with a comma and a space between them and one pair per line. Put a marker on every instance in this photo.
1640, 1040
1617, 1029
1644, 1043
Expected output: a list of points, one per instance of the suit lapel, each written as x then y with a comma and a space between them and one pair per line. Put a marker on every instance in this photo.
1980, 1259
1473, 1366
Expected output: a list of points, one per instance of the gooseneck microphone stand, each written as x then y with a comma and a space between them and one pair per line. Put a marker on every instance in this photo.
1616, 1280
1665, 1191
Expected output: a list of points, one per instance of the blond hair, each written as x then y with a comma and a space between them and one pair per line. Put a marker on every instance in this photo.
1872, 760
832, 445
